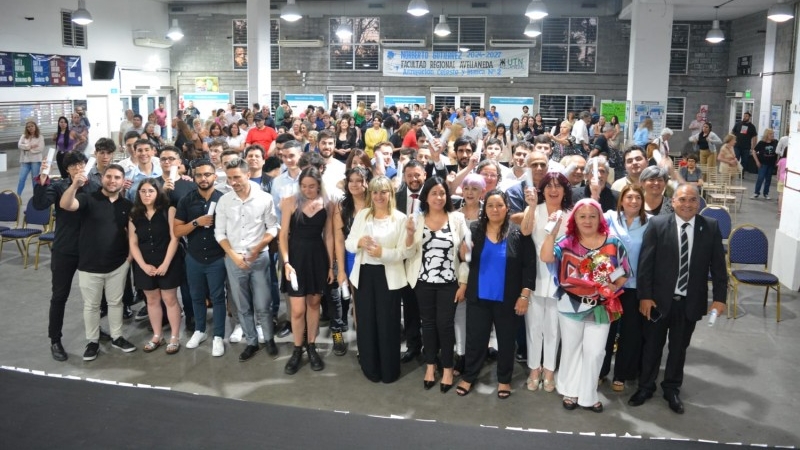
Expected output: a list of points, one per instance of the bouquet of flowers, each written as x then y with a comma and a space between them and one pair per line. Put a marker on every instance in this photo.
595, 273
596, 267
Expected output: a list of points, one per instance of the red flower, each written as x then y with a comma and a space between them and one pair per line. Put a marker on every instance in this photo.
586, 266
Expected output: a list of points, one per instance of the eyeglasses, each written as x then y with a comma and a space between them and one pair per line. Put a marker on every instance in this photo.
167, 158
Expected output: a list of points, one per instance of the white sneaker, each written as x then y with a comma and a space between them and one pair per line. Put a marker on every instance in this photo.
217, 346
260, 332
237, 335
196, 339
766, 197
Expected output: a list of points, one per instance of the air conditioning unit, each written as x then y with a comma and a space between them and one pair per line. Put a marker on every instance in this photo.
300, 43
152, 42
444, 89
403, 42
509, 43
732, 94
341, 88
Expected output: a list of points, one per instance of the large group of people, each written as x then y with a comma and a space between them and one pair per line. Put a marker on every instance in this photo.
496, 244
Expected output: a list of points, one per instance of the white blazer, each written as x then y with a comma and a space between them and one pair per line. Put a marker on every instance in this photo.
393, 252
458, 228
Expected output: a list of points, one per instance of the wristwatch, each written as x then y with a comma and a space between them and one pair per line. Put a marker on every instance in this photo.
195, 224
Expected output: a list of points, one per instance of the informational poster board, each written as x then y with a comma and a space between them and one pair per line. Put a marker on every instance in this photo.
33, 69
475, 64
619, 108
6, 69
653, 110
299, 102
23, 69
510, 107
404, 100
775, 120
206, 102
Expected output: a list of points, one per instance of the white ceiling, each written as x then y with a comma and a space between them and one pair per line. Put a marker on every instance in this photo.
692, 10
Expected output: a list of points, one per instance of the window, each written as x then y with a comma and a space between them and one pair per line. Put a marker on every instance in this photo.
679, 51
72, 34
275, 99
675, 110
569, 45
241, 98
465, 33
554, 108
274, 48
360, 51
45, 113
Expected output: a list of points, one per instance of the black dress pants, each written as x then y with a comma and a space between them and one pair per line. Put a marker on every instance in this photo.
411, 319
378, 325
679, 329
437, 308
481, 315
62, 269
629, 346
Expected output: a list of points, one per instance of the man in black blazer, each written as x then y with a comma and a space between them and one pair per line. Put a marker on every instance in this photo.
681, 298
413, 179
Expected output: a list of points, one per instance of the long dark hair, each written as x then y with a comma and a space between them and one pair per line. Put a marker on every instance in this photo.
483, 220
625, 190
430, 183
66, 131
347, 206
561, 179
139, 210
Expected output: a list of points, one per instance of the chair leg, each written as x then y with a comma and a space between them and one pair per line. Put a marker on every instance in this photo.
36, 260
778, 288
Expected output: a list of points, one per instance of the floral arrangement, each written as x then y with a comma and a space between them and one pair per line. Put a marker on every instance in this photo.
595, 272
596, 267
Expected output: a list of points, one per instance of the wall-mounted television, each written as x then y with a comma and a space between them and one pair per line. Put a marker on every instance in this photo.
104, 70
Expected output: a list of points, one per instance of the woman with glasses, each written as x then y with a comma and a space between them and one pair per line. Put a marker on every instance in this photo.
654, 182
153, 246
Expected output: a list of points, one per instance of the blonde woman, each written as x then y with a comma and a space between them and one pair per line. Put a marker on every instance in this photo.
729, 166
31, 144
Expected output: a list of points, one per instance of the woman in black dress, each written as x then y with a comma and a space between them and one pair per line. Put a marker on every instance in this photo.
345, 139
157, 271
305, 230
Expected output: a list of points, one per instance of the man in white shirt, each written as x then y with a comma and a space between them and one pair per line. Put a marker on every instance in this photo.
471, 130
580, 131
245, 224
285, 184
334, 169
137, 124
126, 123
232, 116
147, 166
519, 156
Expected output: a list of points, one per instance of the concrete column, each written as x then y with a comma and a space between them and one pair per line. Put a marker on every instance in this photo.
786, 252
648, 66
259, 74
765, 106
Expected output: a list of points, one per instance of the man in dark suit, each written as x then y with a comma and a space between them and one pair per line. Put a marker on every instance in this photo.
679, 293
406, 202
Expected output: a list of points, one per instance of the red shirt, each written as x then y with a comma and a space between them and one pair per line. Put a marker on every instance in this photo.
264, 136
410, 139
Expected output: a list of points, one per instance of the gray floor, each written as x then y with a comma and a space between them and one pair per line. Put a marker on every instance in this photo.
738, 386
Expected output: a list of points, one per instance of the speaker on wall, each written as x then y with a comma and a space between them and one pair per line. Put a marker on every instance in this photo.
104, 70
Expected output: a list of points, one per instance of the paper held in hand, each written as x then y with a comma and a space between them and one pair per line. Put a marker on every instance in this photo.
89, 166
51, 153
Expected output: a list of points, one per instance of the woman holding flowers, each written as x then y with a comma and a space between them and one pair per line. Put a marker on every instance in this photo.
590, 266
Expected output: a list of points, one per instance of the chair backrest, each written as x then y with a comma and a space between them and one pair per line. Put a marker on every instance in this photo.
703, 205
721, 215
10, 205
35, 216
748, 245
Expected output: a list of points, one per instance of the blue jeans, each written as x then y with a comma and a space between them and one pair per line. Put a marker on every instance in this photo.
765, 177
207, 281
31, 168
250, 291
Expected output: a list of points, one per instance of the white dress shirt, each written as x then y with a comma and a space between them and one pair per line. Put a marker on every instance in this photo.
244, 222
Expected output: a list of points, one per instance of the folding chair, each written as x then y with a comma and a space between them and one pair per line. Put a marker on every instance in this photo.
44, 239
23, 235
748, 245
10, 205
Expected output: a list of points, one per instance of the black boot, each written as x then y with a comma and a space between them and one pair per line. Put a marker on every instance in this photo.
313, 358
294, 361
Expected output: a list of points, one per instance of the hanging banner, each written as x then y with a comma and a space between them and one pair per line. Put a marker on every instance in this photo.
58, 71
478, 64
403, 100
41, 70
23, 69
74, 71
6, 69
510, 108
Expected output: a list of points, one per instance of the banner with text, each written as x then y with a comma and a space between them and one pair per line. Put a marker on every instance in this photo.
478, 64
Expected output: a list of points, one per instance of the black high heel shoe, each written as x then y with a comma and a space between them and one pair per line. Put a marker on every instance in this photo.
445, 387
428, 384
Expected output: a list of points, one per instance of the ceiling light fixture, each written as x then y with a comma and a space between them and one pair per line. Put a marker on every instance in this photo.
175, 33
715, 35
442, 28
781, 12
417, 8
81, 16
290, 12
536, 10
533, 29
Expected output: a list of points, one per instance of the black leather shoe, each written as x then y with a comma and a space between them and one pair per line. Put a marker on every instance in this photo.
272, 349
675, 403
285, 330
444, 387
314, 360
639, 397
408, 356
248, 353
294, 361
59, 354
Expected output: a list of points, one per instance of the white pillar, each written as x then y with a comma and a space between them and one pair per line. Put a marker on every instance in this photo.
648, 66
786, 252
259, 74
765, 106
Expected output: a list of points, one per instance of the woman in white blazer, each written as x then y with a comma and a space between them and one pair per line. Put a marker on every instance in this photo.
435, 272
377, 237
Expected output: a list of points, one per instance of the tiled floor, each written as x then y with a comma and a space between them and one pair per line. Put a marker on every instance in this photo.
739, 374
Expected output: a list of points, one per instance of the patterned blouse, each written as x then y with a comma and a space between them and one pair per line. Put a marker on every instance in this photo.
437, 267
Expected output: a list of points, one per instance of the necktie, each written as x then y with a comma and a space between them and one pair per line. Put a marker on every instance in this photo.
414, 197
683, 272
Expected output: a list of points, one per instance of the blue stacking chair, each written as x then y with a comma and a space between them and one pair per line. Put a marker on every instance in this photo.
24, 235
748, 245
10, 205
